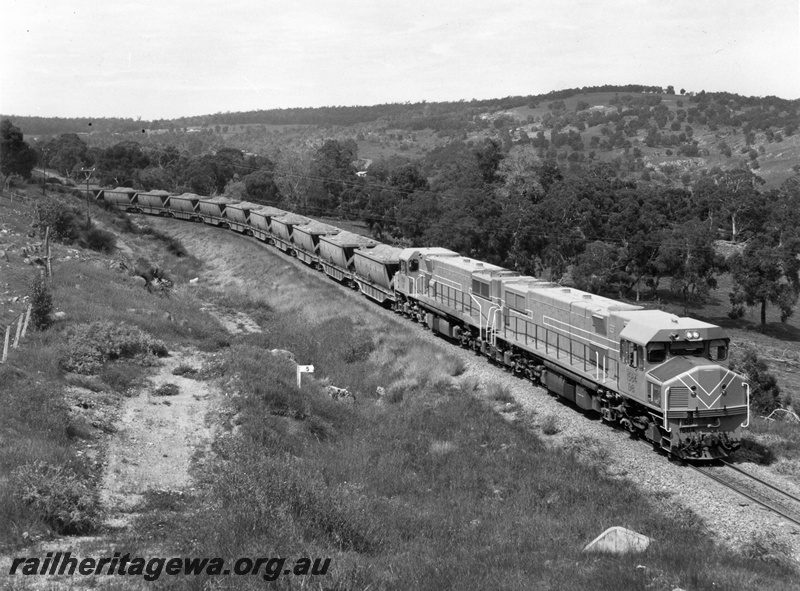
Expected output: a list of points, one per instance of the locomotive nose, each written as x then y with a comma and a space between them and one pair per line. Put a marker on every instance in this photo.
714, 386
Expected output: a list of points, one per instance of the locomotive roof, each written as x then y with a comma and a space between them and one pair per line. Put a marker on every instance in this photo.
575, 297
382, 253
645, 326
471, 265
345, 238
525, 282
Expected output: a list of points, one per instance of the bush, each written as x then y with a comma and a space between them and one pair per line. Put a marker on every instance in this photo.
59, 216
99, 240
765, 392
167, 390
359, 352
41, 304
59, 496
89, 346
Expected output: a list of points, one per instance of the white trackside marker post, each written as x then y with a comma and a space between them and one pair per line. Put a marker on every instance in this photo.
303, 369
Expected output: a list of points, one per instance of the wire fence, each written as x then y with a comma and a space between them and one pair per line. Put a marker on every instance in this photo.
13, 327
14, 195
15, 331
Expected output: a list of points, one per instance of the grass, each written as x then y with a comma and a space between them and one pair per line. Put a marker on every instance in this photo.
45, 485
431, 492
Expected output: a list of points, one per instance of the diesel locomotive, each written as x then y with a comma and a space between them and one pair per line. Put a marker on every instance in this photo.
659, 376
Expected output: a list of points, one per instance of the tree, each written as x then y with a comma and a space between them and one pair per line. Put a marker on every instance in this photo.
765, 273
332, 172
261, 186
292, 167
66, 153
16, 156
120, 164
687, 256
732, 198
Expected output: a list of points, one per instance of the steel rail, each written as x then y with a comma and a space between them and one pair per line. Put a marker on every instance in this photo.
760, 481
708, 473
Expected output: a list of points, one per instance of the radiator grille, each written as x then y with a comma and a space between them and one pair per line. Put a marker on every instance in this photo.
679, 397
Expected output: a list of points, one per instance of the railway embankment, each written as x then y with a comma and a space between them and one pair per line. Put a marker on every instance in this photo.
418, 484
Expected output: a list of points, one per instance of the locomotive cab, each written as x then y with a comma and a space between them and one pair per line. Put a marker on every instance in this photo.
674, 370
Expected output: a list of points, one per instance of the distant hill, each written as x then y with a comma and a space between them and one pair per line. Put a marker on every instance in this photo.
652, 131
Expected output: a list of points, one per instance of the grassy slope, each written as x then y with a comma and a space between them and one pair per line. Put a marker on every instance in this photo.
427, 489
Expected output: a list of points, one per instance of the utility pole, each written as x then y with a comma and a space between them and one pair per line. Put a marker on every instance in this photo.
88, 172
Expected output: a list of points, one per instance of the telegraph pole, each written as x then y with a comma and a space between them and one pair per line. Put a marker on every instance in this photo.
88, 172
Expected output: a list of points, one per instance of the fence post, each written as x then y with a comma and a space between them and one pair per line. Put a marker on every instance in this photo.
19, 330
5, 346
27, 318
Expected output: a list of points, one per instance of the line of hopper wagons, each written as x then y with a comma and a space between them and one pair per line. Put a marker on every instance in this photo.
660, 377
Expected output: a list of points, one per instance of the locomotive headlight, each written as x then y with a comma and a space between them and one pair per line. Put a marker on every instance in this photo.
696, 335
692, 335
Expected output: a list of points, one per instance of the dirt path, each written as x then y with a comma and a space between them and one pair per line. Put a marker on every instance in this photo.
158, 439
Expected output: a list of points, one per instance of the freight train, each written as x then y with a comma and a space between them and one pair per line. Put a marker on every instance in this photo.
660, 377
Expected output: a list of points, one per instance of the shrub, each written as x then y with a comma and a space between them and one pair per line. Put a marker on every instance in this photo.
59, 216
89, 346
59, 496
41, 304
99, 240
167, 390
359, 352
500, 393
765, 392
184, 369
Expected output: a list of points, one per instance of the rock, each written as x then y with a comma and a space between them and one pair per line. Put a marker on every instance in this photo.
140, 281
60, 315
619, 540
194, 281
380, 391
341, 394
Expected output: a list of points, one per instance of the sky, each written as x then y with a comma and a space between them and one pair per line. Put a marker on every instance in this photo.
170, 58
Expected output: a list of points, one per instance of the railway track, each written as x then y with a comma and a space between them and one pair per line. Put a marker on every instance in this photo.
753, 488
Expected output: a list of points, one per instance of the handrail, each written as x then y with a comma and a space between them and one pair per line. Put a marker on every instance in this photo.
747, 388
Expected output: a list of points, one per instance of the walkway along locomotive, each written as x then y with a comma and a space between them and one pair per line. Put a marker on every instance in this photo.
657, 375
